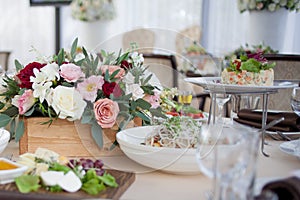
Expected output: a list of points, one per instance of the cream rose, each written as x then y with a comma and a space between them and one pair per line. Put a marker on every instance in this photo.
67, 102
106, 112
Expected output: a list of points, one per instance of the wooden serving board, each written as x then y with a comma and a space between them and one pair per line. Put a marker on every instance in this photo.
124, 179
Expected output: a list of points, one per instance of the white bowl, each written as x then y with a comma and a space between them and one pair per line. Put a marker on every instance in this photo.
8, 176
4, 138
172, 160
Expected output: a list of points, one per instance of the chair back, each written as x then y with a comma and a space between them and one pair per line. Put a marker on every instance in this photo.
143, 38
287, 68
164, 67
4, 58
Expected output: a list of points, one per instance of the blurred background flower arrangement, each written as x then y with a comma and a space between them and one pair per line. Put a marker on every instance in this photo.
247, 49
270, 5
75, 85
93, 10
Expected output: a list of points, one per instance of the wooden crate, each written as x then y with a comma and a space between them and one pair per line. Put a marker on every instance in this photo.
71, 139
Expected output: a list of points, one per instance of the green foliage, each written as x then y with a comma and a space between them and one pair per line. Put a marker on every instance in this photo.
27, 183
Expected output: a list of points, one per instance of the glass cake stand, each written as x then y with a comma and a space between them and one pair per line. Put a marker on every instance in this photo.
213, 86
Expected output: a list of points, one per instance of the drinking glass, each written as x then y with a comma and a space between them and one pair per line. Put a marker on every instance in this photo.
221, 100
295, 100
185, 97
226, 153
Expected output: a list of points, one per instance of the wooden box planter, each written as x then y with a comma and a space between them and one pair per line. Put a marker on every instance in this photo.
71, 139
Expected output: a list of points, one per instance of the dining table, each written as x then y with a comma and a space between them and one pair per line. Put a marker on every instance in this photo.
155, 184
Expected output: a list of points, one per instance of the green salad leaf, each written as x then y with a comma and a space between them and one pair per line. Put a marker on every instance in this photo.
251, 65
27, 183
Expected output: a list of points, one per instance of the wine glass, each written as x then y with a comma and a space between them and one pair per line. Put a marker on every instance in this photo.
295, 100
185, 98
221, 100
295, 104
225, 153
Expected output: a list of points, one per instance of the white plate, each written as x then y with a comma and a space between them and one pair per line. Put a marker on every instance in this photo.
213, 84
172, 160
289, 147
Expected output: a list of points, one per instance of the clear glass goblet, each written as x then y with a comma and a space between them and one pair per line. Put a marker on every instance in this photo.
295, 100
221, 100
225, 153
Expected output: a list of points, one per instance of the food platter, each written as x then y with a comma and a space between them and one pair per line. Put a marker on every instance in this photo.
171, 160
213, 84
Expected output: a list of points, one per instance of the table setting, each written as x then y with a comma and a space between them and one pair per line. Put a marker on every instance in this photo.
176, 152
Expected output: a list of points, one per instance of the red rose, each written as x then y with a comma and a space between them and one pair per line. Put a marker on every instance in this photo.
24, 75
111, 88
125, 64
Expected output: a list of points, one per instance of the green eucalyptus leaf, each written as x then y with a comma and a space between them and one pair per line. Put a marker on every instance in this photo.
142, 116
86, 119
18, 65
157, 112
97, 134
74, 49
4, 120
60, 57
11, 111
143, 104
30, 111
12, 127
20, 130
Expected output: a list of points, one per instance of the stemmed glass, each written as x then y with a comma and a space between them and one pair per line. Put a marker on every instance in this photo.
225, 153
295, 100
295, 104
221, 100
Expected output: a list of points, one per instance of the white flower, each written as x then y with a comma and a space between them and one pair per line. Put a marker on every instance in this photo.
154, 81
137, 59
40, 90
48, 73
136, 90
252, 4
272, 7
128, 78
283, 3
67, 102
39, 77
52, 71
15, 100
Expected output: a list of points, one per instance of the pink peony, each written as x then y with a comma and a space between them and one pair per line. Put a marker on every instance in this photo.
106, 112
90, 86
26, 101
153, 100
71, 72
112, 68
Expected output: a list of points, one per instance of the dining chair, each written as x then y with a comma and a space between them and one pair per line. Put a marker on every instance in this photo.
143, 38
287, 68
4, 58
164, 66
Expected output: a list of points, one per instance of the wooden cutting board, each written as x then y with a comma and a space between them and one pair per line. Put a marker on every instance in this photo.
124, 179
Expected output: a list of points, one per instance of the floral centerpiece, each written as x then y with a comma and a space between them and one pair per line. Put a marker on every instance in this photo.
270, 5
76, 86
247, 49
93, 10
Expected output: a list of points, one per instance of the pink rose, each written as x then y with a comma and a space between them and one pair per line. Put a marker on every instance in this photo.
111, 69
25, 102
106, 112
71, 72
